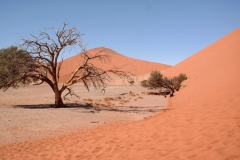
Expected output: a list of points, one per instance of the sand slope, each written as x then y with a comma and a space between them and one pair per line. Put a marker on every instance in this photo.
138, 67
210, 103
203, 120
213, 75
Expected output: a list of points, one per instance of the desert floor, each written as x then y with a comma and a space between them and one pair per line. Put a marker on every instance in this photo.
202, 120
27, 112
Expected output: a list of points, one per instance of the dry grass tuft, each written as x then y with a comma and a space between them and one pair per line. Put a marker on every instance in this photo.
87, 99
109, 104
108, 99
101, 103
97, 105
138, 98
123, 101
143, 92
146, 92
131, 93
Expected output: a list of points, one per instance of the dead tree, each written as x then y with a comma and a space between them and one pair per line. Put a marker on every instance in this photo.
46, 52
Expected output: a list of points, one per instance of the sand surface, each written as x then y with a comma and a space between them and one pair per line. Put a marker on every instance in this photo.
202, 120
27, 113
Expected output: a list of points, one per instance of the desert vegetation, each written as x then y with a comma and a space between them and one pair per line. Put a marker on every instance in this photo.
131, 82
145, 84
169, 85
112, 101
38, 62
15, 66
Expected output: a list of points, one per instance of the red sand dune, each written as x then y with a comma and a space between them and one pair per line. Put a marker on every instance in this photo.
203, 120
135, 66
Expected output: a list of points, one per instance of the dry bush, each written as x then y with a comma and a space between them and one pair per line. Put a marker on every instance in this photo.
156, 80
123, 101
105, 103
118, 98
97, 105
109, 99
131, 93
109, 104
145, 84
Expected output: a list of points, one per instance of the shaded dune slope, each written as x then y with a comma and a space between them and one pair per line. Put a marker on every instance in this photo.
203, 120
128, 64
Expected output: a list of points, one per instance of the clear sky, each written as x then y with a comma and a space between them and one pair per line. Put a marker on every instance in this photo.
164, 31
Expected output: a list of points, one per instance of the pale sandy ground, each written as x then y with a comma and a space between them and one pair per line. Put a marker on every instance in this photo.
203, 120
26, 113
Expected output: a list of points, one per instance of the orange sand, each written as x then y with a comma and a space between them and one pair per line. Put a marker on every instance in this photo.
203, 120
135, 66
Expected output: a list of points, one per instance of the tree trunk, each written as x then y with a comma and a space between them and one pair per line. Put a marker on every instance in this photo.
58, 100
172, 93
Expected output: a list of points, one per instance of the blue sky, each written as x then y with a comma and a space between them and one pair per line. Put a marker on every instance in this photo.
164, 31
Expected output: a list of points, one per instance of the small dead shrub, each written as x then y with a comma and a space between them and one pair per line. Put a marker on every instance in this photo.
97, 105
131, 93
138, 98
109, 104
123, 101
87, 99
108, 99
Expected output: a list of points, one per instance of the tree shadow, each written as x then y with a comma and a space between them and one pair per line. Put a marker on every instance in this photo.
88, 108
158, 93
46, 106
132, 109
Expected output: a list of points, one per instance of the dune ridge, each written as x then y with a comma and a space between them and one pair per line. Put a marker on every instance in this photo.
202, 120
117, 60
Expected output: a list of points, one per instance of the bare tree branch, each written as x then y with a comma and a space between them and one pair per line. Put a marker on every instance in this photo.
39, 83
70, 92
59, 68
44, 51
